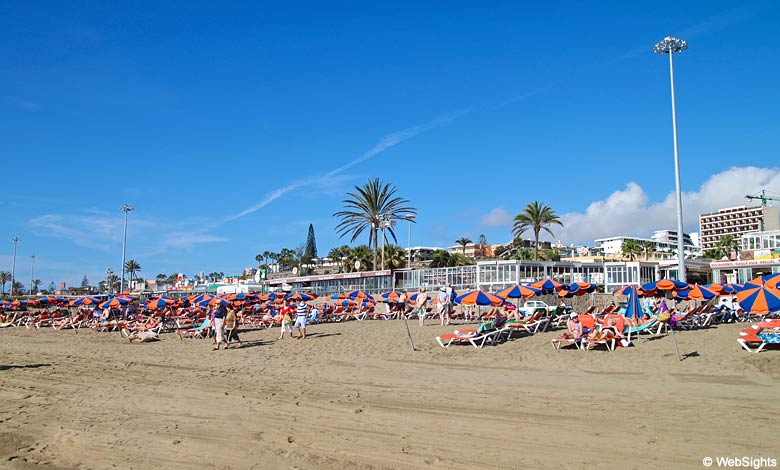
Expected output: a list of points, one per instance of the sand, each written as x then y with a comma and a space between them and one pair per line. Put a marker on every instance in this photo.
354, 395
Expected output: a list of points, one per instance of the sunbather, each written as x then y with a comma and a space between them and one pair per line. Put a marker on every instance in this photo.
574, 329
606, 332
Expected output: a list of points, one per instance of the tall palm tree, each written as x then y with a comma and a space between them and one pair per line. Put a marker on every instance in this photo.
463, 241
35, 285
5, 276
536, 216
368, 207
131, 266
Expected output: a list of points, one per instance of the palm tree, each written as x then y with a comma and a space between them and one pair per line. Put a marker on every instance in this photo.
648, 247
631, 248
463, 241
5, 276
524, 254
368, 207
361, 253
726, 244
35, 284
441, 259
536, 216
132, 267
395, 256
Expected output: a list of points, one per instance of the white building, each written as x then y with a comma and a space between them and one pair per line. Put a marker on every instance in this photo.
664, 243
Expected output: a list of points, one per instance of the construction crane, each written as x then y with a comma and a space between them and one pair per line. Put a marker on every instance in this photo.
763, 197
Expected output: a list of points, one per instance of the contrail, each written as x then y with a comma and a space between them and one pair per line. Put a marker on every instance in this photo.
388, 141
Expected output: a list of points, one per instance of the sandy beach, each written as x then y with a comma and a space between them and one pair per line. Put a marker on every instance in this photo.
354, 395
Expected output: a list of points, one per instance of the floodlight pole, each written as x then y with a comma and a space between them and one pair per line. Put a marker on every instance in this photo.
32, 274
670, 45
409, 218
126, 208
15, 240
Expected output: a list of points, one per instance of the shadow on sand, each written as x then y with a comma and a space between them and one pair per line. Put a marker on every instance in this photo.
28, 366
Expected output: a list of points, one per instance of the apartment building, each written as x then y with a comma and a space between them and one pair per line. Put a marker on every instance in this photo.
736, 221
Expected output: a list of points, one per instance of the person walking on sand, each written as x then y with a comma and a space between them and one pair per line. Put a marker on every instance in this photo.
422, 305
219, 322
231, 327
444, 307
301, 311
287, 322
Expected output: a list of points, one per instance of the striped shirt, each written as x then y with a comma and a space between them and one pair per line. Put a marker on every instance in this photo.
301, 309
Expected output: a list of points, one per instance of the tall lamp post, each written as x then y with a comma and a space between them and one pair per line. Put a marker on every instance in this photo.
670, 45
32, 274
124, 209
15, 240
410, 219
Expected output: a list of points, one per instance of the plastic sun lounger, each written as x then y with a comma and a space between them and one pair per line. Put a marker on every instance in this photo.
587, 321
636, 330
758, 338
197, 332
610, 343
476, 339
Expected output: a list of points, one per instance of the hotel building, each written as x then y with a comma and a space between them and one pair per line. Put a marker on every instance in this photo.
736, 221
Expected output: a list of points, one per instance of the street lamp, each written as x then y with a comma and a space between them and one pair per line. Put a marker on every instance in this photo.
124, 209
32, 274
410, 218
15, 240
670, 45
385, 222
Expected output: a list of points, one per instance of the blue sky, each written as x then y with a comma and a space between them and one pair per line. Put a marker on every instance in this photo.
230, 128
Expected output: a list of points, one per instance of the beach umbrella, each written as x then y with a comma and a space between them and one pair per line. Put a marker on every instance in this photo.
547, 285
115, 302
338, 296
768, 280
19, 303
241, 296
633, 308
759, 299
300, 296
479, 297
698, 292
626, 290
665, 284
88, 300
391, 296
200, 298
518, 291
359, 294
577, 289
158, 303
732, 288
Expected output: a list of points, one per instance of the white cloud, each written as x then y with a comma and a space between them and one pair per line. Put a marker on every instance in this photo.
630, 212
498, 217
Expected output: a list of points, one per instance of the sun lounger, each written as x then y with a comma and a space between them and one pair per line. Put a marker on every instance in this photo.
601, 339
198, 332
637, 330
588, 323
535, 323
755, 339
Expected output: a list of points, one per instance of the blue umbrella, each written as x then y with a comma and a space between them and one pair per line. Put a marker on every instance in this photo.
634, 308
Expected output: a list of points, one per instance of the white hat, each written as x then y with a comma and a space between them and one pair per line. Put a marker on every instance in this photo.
573, 315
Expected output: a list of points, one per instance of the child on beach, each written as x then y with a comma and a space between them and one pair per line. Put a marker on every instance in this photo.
286, 320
